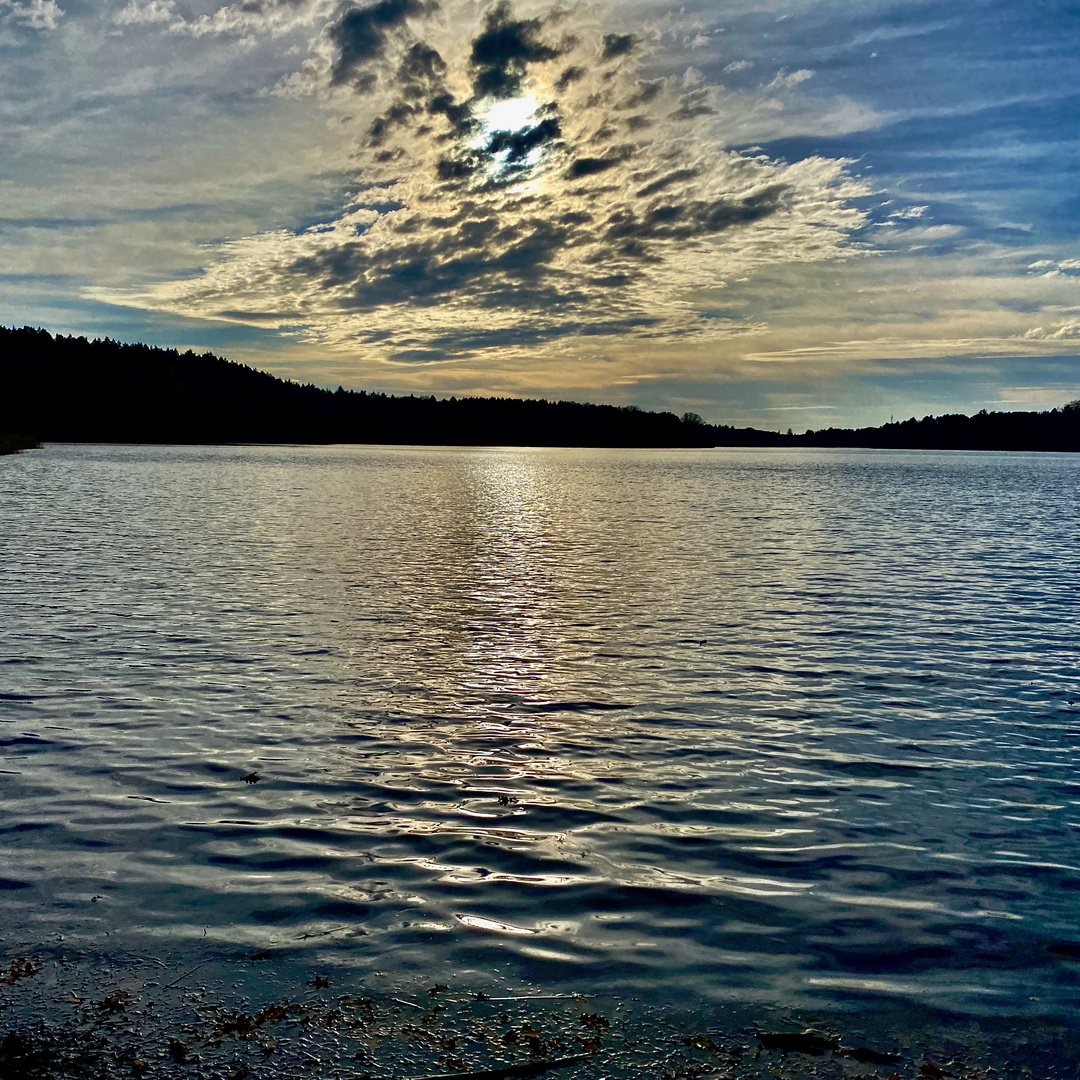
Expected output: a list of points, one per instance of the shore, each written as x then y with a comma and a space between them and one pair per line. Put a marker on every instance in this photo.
66, 1016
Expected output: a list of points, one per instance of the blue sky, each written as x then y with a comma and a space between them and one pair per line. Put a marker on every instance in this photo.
783, 214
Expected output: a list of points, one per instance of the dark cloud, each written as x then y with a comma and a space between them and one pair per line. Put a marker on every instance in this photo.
616, 45
498, 265
499, 58
459, 114
381, 126
421, 72
570, 75
590, 166
503, 50
676, 177
518, 145
646, 93
525, 222
694, 218
466, 342
693, 105
259, 316
361, 35
460, 167
501, 255
421, 92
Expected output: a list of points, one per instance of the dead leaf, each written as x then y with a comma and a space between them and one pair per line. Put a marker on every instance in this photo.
21, 967
115, 1002
929, 1071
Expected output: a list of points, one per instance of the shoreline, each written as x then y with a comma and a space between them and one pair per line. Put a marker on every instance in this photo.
100, 1018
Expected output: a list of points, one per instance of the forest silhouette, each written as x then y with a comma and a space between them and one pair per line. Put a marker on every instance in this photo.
70, 389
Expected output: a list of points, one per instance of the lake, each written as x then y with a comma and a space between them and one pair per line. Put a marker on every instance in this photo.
792, 727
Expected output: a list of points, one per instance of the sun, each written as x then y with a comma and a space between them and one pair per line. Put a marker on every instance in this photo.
511, 137
510, 114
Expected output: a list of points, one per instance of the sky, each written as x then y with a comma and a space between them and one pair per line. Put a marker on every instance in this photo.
786, 213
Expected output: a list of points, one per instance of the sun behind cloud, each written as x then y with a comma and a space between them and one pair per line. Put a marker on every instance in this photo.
521, 182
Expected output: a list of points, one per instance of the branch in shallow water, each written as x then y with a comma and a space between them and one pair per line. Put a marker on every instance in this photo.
534, 1068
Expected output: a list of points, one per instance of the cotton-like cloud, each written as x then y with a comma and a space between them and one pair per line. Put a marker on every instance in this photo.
521, 183
147, 14
1054, 267
247, 22
19, 16
1064, 331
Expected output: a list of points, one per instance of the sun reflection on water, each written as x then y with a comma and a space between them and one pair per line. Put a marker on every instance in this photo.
636, 711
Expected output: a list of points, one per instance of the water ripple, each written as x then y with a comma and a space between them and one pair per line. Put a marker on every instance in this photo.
795, 726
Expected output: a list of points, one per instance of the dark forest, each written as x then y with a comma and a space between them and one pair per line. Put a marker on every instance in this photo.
70, 389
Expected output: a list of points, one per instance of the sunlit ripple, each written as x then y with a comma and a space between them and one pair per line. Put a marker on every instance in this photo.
719, 723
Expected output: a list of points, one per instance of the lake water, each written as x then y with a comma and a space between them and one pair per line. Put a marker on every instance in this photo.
791, 727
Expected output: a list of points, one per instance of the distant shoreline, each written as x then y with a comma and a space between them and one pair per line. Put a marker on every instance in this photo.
222, 444
15, 444
68, 389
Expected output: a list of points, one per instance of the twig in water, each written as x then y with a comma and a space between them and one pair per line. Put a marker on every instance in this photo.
149, 959
190, 971
321, 933
542, 997
411, 1004
533, 1068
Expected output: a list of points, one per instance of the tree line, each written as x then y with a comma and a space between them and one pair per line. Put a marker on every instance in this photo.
71, 389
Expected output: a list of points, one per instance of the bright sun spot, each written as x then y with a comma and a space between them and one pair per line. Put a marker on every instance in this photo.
510, 115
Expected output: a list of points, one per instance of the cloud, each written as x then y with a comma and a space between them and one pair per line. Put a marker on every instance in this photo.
616, 45
155, 11
909, 213
1065, 331
786, 81
502, 52
361, 35
1054, 267
19, 16
513, 186
247, 22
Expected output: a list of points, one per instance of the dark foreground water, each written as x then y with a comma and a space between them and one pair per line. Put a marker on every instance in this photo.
693, 727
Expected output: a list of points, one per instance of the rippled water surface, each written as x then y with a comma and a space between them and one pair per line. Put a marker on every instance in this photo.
788, 726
